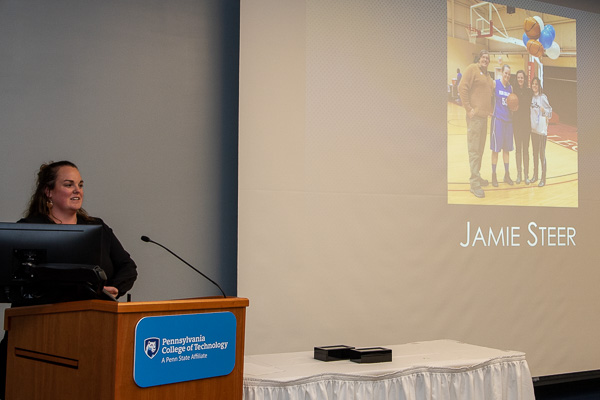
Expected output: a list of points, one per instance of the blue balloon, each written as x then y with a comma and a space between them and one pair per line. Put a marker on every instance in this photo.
551, 30
546, 38
525, 39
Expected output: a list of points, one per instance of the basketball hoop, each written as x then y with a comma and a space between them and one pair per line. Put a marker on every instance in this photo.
473, 34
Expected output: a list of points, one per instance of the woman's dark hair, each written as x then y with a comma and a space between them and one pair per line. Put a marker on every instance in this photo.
524, 77
46, 179
539, 84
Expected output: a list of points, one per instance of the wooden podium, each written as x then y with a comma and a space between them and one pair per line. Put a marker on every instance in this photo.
85, 350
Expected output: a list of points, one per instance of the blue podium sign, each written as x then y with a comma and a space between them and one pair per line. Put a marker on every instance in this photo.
179, 348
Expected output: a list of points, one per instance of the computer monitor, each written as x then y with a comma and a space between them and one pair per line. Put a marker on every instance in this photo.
49, 263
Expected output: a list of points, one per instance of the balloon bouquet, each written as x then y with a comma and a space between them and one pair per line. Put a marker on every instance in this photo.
538, 38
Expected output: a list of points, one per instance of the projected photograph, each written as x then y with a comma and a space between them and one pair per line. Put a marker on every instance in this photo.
512, 107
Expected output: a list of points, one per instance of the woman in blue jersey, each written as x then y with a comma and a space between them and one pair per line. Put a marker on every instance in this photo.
501, 133
541, 112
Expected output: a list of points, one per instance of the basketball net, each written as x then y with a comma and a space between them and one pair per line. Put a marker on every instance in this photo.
472, 34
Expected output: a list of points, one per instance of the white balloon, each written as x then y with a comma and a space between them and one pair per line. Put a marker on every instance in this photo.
540, 22
553, 51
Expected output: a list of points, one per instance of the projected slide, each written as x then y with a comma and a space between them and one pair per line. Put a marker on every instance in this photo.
357, 223
513, 152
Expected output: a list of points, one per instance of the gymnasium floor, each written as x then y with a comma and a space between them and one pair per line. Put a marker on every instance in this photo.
561, 188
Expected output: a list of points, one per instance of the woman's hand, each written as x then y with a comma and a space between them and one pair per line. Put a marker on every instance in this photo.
112, 290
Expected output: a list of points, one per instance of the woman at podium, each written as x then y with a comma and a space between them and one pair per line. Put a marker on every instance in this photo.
58, 199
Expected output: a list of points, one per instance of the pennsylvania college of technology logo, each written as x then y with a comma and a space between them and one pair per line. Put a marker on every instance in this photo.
183, 347
151, 346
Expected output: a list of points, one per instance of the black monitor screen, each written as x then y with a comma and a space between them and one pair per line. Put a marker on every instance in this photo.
61, 249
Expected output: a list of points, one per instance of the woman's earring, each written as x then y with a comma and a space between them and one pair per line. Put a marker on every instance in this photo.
49, 203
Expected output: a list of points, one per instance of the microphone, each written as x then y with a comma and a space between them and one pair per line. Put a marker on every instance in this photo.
147, 239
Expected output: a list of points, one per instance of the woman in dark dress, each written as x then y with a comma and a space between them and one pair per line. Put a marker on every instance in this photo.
58, 199
522, 127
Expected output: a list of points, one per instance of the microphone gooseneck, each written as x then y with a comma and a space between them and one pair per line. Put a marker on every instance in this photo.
148, 240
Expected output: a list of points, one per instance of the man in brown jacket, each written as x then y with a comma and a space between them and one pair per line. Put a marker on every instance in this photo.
476, 90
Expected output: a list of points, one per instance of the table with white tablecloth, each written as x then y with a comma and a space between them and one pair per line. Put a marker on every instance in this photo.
439, 369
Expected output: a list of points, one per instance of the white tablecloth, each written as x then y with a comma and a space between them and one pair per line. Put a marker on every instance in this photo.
436, 370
